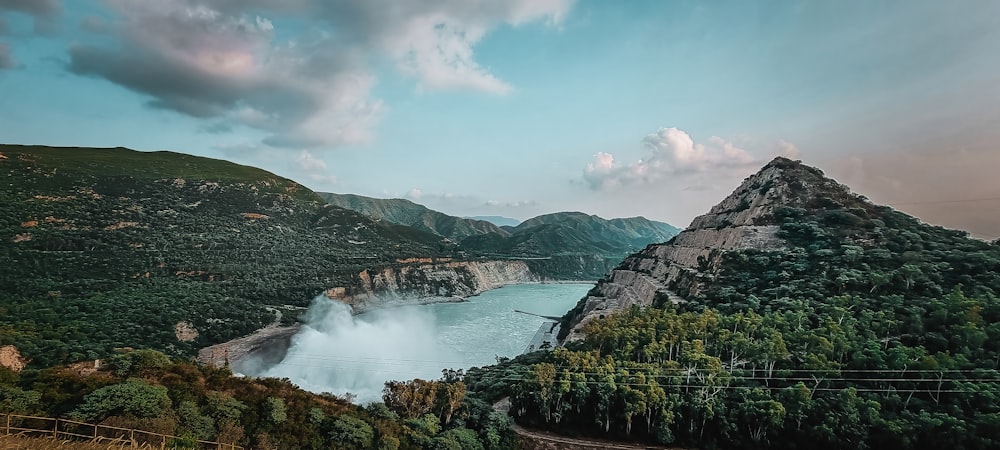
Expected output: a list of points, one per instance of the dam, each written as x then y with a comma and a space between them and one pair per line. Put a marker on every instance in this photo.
344, 354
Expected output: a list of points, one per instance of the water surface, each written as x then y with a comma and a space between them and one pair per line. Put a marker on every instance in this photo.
340, 353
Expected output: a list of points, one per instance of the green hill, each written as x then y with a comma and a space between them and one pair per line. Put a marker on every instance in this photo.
405, 212
105, 248
572, 245
628, 234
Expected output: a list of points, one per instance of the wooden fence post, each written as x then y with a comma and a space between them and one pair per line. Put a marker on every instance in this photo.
55, 430
8, 424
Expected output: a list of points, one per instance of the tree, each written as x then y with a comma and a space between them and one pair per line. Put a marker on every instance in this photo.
410, 399
275, 410
349, 432
132, 398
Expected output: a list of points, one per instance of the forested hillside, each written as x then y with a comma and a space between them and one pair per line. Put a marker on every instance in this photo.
865, 328
560, 246
404, 212
105, 248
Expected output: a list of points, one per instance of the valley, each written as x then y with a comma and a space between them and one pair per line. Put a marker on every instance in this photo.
792, 311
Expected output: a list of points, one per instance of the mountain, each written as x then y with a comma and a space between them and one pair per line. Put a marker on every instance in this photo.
793, 314
405, 212
752, 218
567, 245
499, 221
634, 232
567, 238
106, 248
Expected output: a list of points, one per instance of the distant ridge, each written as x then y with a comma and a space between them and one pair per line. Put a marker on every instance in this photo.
404, 212
573, 245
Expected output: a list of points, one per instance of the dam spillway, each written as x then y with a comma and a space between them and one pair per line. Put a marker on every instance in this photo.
340, 353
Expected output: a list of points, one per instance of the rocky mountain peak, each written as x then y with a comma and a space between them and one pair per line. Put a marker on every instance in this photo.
746, 219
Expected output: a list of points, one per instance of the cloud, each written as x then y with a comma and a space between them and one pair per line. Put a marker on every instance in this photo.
43, 12
216, 128
512, 204
6, 59
309, 86
309, 163
788, 149
37, 8
670, 152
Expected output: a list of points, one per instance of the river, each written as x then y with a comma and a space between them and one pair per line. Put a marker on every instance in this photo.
340, 353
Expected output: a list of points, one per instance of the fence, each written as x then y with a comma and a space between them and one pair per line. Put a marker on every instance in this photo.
71, 429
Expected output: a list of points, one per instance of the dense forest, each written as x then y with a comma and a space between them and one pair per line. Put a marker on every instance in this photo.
869, 330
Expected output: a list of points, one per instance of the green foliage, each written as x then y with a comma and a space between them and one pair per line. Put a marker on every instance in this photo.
224, 408
17, 401
132, 398
192, 422
350, 433
138, 362
275, 410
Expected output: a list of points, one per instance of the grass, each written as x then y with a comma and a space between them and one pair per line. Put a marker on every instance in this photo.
19, 442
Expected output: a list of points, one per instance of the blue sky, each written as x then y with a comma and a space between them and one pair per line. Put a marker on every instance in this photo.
522, 107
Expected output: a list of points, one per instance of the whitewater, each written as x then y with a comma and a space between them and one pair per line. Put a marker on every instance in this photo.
343, 354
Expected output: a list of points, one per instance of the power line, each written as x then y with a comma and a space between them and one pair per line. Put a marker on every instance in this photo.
362, 359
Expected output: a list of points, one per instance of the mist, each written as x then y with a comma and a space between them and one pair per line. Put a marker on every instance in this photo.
340, 353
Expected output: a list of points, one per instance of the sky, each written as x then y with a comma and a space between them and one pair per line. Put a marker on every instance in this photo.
522, 107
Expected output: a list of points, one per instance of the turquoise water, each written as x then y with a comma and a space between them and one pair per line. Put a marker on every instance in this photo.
340, 353
486, 326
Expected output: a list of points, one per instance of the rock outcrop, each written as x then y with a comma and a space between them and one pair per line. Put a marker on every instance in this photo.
11, 358
679, 268
446, 280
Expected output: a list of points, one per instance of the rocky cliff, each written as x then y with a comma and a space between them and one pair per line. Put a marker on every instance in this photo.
442, 279
681, 267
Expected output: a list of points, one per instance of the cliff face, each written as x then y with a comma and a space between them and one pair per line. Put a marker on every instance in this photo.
444, 279
680, 267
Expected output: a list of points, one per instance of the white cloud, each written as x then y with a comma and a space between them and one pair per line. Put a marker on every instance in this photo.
788, 149
670, 151
310, 163
309, 87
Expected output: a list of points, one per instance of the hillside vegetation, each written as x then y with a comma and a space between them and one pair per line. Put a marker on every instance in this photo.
404, 212
106, 248
147, 391
866, 329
